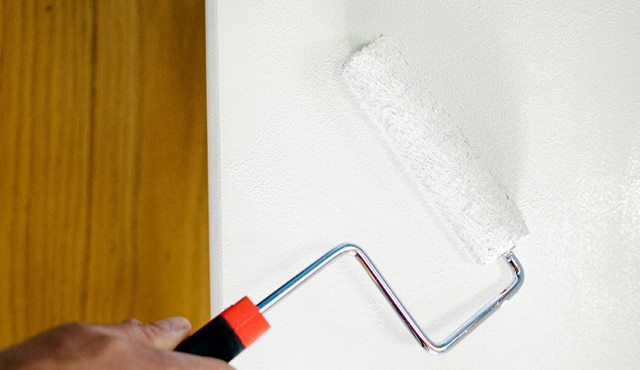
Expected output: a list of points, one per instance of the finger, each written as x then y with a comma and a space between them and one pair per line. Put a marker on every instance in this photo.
165, 334
199, 362
130, 355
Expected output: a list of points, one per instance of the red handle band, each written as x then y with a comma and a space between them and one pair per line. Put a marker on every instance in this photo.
246, 321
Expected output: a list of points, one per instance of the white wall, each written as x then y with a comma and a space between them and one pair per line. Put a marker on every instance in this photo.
547, 92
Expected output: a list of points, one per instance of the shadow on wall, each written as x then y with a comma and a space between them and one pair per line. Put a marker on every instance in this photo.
464, 66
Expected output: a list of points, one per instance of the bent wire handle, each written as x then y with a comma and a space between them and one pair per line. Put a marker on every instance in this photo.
430, 346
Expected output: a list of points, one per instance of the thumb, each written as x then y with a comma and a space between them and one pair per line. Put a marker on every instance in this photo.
164, 334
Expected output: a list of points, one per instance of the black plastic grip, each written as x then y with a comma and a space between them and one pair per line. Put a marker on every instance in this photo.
215, 339
229, 333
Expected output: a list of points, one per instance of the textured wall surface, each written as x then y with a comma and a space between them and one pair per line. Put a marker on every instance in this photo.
548, 94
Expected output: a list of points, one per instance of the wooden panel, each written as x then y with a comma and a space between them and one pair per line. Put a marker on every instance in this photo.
102, 163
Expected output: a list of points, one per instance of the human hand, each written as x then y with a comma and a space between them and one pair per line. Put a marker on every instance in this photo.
130, 344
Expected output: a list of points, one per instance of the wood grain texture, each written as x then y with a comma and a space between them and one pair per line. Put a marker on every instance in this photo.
102, 163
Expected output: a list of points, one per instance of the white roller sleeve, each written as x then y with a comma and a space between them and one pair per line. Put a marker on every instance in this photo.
434, 151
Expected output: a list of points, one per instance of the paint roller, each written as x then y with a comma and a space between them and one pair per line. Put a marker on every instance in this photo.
452, 179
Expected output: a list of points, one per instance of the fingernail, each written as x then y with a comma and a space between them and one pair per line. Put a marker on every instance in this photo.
176, 323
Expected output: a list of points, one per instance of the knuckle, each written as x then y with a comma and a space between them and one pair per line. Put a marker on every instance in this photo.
132, 321
141, 332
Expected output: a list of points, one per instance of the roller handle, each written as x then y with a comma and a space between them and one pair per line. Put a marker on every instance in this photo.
229, 333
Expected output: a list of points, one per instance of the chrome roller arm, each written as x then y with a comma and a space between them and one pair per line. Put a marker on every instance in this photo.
428, 344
